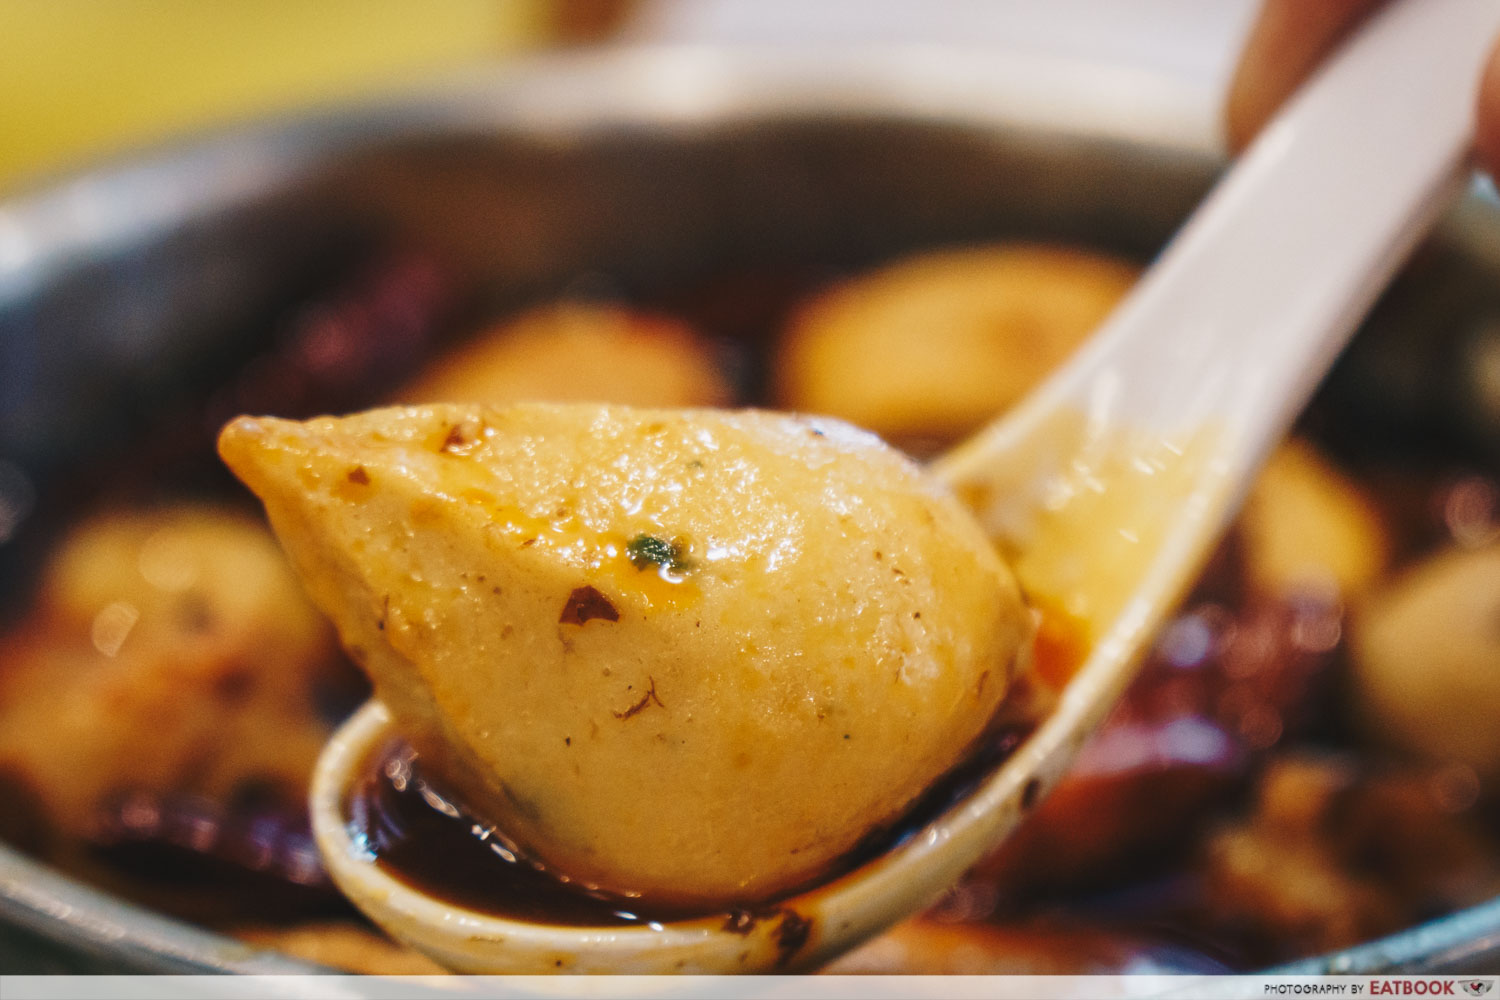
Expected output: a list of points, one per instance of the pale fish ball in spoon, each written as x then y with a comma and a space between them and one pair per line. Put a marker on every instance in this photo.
693, 655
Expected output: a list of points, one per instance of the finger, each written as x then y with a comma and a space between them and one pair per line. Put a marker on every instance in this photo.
1288, 40
1487, 138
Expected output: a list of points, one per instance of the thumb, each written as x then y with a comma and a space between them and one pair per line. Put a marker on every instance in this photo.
1487, 136
1288, 40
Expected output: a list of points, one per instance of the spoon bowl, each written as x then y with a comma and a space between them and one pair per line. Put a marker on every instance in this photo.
1107, 487
469, 940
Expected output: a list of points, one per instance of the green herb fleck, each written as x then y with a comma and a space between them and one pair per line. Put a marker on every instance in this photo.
645, 551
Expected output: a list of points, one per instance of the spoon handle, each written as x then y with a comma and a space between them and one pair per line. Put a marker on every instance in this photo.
1259, 291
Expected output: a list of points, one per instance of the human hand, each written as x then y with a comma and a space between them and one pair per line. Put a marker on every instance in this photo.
1291, 37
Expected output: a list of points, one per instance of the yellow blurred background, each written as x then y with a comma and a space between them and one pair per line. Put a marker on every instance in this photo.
80, 79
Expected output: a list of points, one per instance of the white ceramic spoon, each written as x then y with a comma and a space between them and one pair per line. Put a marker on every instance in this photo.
1108, 486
